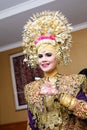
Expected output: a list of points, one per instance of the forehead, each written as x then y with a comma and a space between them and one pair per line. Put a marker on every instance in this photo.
46, 48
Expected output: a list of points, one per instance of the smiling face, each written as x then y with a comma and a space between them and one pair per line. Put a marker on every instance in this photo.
47, 58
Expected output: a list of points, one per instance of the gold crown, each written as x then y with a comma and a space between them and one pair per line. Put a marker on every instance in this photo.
47, 23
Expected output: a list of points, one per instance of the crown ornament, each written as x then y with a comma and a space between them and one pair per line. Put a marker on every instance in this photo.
47, 27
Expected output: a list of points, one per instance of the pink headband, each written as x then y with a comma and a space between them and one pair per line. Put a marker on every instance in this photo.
50, 37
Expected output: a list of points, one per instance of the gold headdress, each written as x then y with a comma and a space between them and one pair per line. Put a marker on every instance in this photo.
47, 27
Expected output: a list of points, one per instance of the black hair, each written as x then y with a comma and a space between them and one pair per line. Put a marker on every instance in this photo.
83, 71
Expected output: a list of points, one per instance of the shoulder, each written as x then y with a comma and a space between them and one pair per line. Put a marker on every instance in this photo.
73, 83
79, 78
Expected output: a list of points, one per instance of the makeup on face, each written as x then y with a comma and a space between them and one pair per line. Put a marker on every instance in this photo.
47, 60
48, 54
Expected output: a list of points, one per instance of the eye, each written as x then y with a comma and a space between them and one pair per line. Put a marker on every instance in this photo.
48, 54
40, 55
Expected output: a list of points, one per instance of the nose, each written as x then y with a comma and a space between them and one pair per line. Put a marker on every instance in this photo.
44, 59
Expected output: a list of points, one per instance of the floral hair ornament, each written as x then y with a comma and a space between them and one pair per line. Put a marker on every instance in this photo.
47, 27
45, 39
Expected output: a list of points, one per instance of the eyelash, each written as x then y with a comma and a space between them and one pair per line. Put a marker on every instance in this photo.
40, 56
47, 54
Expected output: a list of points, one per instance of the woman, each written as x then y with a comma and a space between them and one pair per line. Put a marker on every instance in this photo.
52, 101
82, 95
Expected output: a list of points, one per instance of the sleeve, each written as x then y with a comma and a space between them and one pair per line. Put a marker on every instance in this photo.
78, 105
31, 121
80, 109
26, 92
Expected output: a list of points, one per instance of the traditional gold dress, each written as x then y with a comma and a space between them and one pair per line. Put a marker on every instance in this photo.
47, 111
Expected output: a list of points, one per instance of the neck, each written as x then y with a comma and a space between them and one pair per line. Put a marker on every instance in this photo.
51, 74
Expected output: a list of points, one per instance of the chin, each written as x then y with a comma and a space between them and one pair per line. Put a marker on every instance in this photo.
47, 70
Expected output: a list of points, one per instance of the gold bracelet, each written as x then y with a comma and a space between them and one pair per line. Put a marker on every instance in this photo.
66, 100
73, 103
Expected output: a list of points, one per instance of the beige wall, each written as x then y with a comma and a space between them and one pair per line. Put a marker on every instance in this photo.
8, 114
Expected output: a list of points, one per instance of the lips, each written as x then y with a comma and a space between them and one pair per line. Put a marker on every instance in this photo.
44, 65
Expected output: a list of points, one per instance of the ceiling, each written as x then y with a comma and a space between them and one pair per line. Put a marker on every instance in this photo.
15, 13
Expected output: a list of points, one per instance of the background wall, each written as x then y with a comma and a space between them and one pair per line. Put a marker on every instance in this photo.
8, 113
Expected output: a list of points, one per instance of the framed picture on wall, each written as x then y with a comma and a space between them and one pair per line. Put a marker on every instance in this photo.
22, 74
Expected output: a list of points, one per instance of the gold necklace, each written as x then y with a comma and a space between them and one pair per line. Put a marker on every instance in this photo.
50, 86
55, 80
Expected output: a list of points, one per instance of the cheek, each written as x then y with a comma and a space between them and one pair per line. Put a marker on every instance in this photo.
54, 61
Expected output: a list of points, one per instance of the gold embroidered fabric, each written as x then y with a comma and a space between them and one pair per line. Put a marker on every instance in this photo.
47, 110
